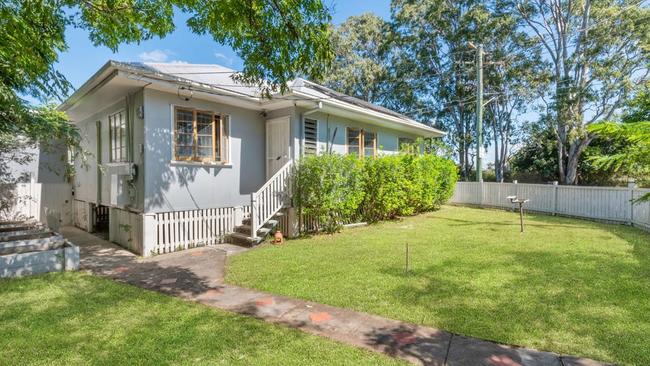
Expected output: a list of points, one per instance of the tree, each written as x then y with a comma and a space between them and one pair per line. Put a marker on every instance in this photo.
513, 77
434, 57
277, 39
632, 135
597, 53
360, 67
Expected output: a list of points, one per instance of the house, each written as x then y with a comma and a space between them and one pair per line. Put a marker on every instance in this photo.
184, 156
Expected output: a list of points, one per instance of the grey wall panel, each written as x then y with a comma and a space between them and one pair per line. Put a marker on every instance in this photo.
174, 186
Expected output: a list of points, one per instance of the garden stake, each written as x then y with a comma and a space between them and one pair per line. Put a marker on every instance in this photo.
407, 258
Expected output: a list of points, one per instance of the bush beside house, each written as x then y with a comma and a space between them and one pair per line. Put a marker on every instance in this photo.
334, 189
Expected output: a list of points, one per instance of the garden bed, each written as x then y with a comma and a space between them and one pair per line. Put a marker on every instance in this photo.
28, 249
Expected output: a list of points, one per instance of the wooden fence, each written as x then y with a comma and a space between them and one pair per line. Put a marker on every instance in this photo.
168, 232
21, 201
612, 204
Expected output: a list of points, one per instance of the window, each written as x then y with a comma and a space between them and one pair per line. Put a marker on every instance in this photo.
361, 143
311, 137
117, 132
200, 136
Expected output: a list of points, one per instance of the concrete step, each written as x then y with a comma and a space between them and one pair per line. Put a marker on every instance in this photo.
245, 229
244, 239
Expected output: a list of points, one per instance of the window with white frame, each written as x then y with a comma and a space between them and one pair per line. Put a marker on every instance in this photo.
311, 136
200, 136
118, 137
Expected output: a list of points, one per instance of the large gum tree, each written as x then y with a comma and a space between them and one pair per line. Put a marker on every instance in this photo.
597, 53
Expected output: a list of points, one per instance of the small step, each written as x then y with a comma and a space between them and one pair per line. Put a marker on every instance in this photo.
246, 229
244, 239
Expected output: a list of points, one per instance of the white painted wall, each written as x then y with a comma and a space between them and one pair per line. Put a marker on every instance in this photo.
85, 181
328, 124
176, 186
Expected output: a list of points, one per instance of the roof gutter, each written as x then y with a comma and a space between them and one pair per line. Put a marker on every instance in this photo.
377, 114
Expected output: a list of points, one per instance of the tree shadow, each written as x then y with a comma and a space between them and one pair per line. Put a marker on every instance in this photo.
561, 301
73, 318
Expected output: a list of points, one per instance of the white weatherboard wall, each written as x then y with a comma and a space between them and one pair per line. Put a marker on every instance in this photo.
387, 139
179, 186
601, 203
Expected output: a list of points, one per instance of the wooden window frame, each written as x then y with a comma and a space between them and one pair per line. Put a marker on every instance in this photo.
219, 138
361, 139
123, 139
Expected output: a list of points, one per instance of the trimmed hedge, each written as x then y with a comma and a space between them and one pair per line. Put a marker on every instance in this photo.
335, 189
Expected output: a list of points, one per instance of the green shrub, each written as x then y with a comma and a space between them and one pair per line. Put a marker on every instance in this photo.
329, 189
387, 188
335, 189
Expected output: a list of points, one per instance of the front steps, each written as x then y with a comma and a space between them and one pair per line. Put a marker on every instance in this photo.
242, 234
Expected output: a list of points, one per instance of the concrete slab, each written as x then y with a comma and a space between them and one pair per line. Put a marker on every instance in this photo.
577, 361
465, 351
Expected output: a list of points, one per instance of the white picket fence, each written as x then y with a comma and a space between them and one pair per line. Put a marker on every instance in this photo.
602, 203
180, 230
22, 200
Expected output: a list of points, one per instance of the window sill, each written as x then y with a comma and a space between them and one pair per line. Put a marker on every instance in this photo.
199, 164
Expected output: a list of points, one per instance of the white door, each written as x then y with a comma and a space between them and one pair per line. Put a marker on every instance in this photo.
277, 144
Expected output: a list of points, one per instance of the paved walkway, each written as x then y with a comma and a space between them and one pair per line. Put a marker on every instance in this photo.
197, 274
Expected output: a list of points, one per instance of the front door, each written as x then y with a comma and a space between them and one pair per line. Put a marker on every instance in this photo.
277, 144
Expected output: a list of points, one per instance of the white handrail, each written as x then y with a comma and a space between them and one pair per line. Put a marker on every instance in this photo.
270, 199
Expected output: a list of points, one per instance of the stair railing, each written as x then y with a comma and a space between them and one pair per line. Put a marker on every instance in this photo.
271, 198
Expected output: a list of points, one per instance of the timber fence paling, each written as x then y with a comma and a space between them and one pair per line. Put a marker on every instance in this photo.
615, 204
179, 230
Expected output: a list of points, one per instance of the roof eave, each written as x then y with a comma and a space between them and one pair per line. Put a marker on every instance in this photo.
422, 128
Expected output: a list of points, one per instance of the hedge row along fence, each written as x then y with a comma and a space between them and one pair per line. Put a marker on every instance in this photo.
335, 189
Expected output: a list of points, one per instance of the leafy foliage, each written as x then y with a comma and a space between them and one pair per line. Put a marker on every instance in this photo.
361, 66
278, 40
329, 188
597, 52
334, 189
634, 158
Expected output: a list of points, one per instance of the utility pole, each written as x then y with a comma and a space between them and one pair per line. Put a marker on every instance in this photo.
479, 112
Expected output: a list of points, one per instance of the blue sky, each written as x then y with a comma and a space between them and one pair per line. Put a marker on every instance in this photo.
82, 59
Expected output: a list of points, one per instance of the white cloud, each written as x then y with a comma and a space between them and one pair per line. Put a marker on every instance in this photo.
178, 62
224, 58
155, 56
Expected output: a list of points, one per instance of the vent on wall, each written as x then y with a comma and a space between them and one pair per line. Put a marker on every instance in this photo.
311, 136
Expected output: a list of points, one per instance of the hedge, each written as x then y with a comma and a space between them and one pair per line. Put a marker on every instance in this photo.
333, 189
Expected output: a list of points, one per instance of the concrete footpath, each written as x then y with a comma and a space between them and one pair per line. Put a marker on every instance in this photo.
197, 274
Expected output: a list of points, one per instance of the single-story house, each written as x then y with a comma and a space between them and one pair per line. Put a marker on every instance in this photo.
182, 155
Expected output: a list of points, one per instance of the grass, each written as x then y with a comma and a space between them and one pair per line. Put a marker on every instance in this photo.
78, 319
565, 285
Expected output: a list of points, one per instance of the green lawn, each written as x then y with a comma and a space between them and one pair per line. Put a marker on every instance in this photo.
78, 319
565, 285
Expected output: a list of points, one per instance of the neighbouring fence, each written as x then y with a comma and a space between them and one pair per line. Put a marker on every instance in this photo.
602, 203
180, 230
45, 202
21, 200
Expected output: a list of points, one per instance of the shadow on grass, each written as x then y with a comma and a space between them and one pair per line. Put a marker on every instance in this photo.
551, 222
568, 301
88, 320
